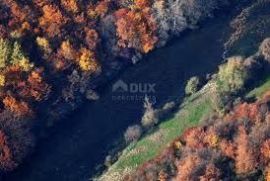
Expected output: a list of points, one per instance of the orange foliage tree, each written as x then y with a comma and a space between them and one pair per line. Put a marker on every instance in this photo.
70, 5
136, 29
36, 87
52, 20
245, 161
20, 108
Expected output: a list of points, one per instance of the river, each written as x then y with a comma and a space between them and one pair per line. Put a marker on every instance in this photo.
77, 144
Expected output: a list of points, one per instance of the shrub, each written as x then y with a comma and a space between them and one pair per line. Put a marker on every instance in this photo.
232, 75
133, 133
192, 85
221, 102
150, 117
265, 49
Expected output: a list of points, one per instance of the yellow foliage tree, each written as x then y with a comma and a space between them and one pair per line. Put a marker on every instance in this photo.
87, 61
2, 80
67, 50
43, 44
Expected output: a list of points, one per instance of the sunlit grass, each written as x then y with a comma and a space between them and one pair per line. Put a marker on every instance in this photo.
260, 90
191, 112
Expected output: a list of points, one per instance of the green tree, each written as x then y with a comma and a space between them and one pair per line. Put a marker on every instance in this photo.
18, 57
5, 51
232, 75
12, 54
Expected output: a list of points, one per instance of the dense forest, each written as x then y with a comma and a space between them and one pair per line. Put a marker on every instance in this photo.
51, 51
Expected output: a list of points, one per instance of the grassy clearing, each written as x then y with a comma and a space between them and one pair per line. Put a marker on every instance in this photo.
194, 109
259, 91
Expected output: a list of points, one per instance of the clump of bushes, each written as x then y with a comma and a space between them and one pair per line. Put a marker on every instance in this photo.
265, 49
232, 75
150, 117
230, 80
133, 133
192, 85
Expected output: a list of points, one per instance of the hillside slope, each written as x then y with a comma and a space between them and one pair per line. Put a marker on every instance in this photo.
231, 144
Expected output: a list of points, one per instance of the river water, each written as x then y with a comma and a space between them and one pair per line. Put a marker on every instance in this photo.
77, 144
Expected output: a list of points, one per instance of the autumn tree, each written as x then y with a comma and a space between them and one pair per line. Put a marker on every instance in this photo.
15, 138
87, 61
265, 150
2, 80
6, 158
102, 8
20, 108
245, 161
35, 88
91, 38
194, 137
44, 45
12, 54
211, 173
67, 50
267, 174
186, 167
52, 20
136, 29
70, 5
5, 51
